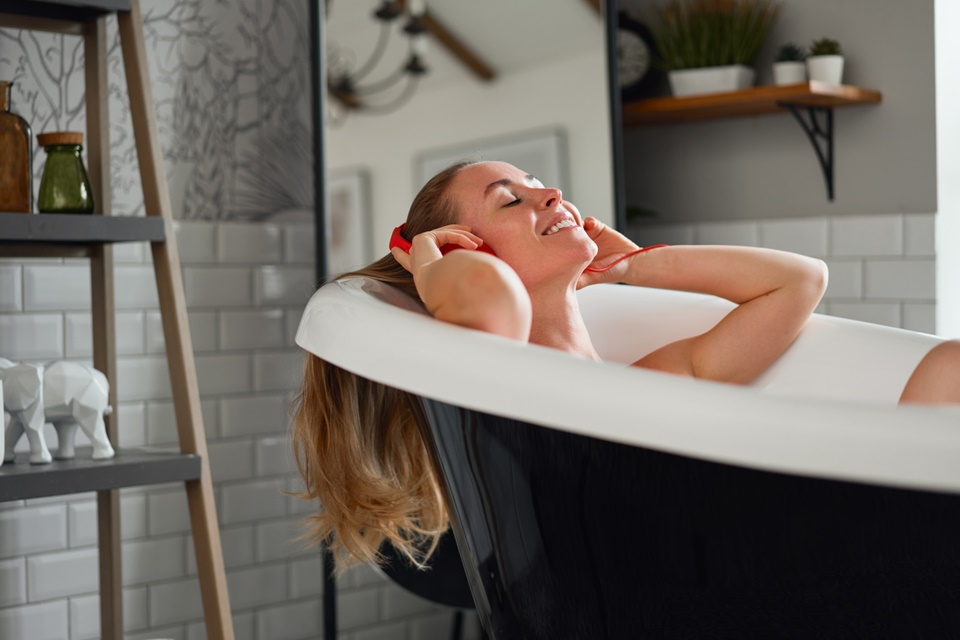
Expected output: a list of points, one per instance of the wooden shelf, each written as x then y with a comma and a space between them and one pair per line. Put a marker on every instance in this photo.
76, 10
749, 102
130, 467
66, 228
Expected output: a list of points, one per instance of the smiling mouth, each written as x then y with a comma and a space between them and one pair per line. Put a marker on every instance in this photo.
566, 222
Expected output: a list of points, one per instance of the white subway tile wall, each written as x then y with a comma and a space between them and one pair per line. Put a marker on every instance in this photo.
882, 267
243, 338
130, 333
167, 511
42, 621
58, 575
13, 582
57, 287
238, 242
11, 287
247, 285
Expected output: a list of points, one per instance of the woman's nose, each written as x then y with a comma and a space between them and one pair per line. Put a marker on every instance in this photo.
551, 197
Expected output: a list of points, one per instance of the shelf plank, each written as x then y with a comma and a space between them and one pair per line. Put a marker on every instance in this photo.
748, 102
21, 480
65, 228
59, 11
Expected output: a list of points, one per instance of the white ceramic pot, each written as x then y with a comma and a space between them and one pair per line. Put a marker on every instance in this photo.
789, 73
694, 82
828, 69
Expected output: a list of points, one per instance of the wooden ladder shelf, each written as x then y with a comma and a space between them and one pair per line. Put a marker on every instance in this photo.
93, 236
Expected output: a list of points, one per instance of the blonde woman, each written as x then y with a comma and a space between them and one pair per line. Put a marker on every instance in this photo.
525, 253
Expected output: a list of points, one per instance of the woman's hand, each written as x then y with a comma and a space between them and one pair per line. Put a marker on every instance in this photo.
425, 248
469, 288
611, 246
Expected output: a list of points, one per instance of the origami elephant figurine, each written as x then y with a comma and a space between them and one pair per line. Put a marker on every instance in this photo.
67, 394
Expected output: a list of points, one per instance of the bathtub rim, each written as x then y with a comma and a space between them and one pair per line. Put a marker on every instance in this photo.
909, 447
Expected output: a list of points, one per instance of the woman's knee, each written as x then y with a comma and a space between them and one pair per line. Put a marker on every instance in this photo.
936, 379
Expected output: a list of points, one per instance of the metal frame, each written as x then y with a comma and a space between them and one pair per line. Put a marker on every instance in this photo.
821, 137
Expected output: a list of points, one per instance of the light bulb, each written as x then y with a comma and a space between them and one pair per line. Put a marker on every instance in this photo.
418, 45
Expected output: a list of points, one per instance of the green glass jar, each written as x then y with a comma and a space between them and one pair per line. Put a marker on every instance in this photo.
64, 186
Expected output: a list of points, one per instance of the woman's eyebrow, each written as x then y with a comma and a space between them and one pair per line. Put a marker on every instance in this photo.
505, 182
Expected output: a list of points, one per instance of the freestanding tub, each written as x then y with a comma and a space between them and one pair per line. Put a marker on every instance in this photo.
594, 500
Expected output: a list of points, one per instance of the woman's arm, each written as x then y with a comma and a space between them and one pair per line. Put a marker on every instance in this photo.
468, 288
776, 292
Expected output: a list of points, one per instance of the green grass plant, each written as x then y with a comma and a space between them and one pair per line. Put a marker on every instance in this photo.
711, 33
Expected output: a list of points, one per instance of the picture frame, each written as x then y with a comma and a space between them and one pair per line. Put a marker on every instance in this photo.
540, 152
348, 220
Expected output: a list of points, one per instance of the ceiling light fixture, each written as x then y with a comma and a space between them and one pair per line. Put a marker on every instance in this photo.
350, 85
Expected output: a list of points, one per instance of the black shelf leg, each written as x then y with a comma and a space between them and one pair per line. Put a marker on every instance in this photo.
821, 137
329, 595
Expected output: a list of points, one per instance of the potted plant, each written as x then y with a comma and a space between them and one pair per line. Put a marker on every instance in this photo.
709, 46
789, 66
825, 62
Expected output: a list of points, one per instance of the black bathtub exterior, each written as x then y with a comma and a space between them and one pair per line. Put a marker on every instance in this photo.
565, 536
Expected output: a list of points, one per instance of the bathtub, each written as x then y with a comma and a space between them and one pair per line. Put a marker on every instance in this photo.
596, 500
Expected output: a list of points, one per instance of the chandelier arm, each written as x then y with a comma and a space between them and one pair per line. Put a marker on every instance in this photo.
377, 87
376, 56
398, 102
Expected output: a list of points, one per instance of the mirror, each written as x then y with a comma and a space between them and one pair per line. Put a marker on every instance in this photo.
546, 102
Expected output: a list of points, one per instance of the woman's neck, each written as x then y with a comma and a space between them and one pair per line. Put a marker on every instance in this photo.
557, 323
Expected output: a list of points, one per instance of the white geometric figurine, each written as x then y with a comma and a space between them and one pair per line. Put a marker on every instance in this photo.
67, 394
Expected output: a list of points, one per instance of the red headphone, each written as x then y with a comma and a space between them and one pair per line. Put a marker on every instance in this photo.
397, 240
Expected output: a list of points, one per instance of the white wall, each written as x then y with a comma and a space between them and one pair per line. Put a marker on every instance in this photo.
764, 167
570, 93
948, 167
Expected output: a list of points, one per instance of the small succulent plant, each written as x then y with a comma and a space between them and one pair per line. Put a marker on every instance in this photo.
825, 47
790, 52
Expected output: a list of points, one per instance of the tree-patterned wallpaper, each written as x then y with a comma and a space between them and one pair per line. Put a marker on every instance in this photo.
231, 81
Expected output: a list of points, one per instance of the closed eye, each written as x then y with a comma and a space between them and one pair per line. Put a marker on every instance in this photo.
512, 204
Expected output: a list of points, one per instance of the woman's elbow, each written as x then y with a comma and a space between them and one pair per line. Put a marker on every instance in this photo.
817, 278
490, 298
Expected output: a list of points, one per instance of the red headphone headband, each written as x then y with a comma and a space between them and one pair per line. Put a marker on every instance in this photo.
397, 240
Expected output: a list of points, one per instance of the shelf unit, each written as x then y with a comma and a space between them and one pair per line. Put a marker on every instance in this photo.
810, 103
130, 467
93, 236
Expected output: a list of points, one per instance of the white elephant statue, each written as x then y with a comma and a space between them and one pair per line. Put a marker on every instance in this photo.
66, 394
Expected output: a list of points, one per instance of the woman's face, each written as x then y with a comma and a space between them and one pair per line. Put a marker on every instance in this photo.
531, 227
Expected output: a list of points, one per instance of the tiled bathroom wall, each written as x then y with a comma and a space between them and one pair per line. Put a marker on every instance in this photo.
882, 267
246, 285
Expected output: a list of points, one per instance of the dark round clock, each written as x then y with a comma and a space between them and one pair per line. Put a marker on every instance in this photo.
636, 53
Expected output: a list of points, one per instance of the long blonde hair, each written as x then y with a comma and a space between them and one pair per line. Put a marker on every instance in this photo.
358, 443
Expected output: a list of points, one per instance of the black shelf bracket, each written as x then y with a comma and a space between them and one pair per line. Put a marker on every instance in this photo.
820, 135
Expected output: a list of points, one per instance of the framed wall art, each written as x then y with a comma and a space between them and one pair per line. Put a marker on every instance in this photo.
348, 224
542, 152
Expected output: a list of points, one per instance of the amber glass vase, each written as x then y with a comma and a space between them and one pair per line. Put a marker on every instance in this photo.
16, 157
64, 186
